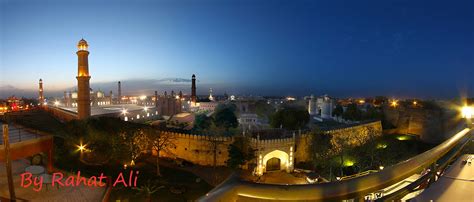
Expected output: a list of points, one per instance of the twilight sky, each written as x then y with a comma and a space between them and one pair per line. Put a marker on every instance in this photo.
408, 48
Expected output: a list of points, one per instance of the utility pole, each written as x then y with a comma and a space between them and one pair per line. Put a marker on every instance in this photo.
8, 163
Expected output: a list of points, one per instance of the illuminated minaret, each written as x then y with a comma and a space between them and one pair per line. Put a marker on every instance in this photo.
83, 77
156, 99
193, 90
41, 97
119, 98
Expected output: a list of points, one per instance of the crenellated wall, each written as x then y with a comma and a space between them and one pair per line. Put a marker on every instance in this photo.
199, 149
354, 135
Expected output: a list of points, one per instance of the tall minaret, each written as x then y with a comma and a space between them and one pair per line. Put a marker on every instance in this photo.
156, 99
193, 89
41, 97
83, 77
119, 98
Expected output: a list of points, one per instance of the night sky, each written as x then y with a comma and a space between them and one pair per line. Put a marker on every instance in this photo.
422, 49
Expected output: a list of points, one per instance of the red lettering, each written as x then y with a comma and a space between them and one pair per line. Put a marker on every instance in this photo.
80, 179
101, 178
38, 183
28, 178
120, 179
136, 178
130, 178
57, 180
69, 181
92, 181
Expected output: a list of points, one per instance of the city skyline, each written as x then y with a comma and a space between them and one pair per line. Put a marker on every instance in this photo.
397, 48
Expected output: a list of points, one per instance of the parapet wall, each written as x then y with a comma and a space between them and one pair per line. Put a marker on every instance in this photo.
353, 136
61, 114
199, 149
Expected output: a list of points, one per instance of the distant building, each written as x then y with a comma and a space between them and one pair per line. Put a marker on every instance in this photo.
321, 108
168, 105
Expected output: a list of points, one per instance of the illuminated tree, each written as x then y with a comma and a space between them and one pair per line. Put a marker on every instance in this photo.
160, 141
136, 142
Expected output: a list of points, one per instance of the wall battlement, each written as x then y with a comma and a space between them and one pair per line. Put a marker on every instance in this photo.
199, 149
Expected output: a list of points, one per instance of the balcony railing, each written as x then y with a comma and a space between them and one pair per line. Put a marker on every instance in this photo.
356, 188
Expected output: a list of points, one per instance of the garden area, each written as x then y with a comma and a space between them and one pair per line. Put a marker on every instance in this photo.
375, 154
110, 146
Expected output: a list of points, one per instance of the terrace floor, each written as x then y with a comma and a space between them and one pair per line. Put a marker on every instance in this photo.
79, 193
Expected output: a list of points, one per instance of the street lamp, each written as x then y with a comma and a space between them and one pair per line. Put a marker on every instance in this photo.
81, 147
394, 103
467, 112
56, 103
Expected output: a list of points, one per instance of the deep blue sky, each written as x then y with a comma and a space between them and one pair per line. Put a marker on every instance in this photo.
351, 48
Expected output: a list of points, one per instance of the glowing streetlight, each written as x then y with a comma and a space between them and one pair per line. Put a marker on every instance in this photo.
124, 111
56, 103
415, 102
467, 112
145, 108
381, 167
394, 103
81, 147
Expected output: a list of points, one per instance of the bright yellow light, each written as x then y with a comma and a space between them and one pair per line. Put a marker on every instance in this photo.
145, 108
381, 167
394, 103
56, 103
415, 103
381, 146
467, 112
348, 163
143, 97
361, 101
81, 147
124, 111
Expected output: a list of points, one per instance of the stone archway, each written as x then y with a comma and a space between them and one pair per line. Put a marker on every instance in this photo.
276, 156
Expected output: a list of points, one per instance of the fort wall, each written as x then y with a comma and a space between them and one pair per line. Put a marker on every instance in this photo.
199, 149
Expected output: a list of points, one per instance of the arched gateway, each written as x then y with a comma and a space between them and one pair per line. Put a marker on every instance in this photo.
273, 155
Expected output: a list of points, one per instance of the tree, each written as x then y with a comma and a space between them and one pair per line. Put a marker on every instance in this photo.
215, 139
160, 141
224, 116
148, 189
202, 122
263, 109
239, 152
137, 142
352, 113
290, 117
338, 111
319, 148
